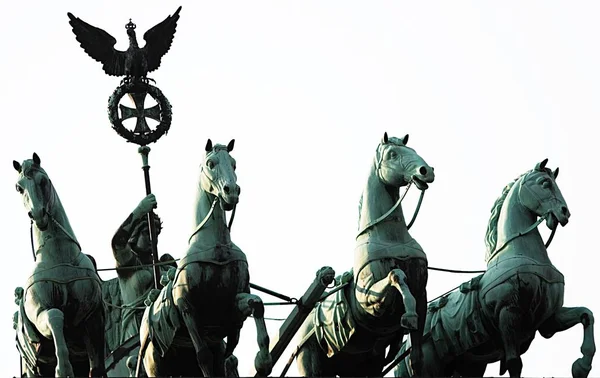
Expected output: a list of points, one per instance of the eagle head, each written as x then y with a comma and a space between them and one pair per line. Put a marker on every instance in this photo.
130, 26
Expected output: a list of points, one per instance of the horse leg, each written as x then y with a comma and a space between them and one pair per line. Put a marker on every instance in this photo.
93, 337
231, 366
251, 304
565, 318
51, 324
151, 361
416, 336
219, 359
231, 361
510, 325
204, 355
409, 319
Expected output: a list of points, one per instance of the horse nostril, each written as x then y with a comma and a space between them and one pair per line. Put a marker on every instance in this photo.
564, 210
226, 189
423, 171
30, 215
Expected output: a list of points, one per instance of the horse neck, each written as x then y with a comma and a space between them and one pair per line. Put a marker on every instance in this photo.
53, 245
514, 219
378, 199
214, 231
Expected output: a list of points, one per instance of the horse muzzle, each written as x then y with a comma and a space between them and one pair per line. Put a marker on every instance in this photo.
423, 177
230, 199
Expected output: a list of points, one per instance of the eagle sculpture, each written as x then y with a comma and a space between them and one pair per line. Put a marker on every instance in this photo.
135, 62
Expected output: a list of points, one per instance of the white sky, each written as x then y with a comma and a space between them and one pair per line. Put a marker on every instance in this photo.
307, 89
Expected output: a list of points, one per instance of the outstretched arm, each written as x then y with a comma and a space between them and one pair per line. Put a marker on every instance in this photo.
123, 254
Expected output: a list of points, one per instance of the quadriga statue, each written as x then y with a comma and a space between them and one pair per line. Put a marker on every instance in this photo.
495, 316
60, 321
385, 294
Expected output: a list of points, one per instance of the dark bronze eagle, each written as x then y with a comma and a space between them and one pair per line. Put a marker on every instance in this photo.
135, 62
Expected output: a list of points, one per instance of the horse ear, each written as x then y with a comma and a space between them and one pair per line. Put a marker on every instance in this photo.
208, 147
384, 140
555, 173
230, 145
36, 159
17, 166
541, 166
405, 139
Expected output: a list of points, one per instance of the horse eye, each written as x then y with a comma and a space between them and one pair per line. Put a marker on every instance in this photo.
547, 185
393, 155
210, 164
19, 189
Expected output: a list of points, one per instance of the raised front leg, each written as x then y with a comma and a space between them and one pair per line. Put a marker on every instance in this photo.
249, 304
410, 319
566, 318
374, 298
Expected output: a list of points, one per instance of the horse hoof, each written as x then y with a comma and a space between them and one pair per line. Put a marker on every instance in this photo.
263, 363
409, 321
580, 368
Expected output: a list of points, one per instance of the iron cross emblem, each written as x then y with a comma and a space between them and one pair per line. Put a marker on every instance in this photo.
140, 112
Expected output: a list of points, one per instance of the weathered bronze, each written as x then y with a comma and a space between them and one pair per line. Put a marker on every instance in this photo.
207, 298
135, 62
125, 295
384, 296
61, 313
494, 316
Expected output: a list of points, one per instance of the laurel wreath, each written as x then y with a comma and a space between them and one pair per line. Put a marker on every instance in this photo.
117, 123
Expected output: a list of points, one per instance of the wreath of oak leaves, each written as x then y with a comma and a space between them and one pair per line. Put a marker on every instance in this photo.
117, 124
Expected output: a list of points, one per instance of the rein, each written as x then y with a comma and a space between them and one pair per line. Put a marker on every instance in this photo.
71, 238
212, 208
390, 211
522, 233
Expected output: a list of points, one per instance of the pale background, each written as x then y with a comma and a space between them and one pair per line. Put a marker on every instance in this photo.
307, 89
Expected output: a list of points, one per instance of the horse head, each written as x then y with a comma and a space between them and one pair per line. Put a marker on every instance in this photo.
398, 165
539, 193
36, 189
218, 174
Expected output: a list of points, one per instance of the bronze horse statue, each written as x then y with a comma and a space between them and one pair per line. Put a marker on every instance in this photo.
494, 317
385, 294
208, 296
61, 314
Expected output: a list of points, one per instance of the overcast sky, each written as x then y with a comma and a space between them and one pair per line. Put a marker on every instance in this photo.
307, 89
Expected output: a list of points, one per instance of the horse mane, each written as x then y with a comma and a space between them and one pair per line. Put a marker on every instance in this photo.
491, 236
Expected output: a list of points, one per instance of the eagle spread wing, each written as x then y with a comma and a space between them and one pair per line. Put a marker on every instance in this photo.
99, 45
159, 39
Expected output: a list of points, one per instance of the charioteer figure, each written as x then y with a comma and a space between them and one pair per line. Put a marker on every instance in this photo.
132, 250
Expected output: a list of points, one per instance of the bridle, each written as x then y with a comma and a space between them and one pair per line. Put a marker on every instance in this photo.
393, 208
210, 212
527, 230
49, 203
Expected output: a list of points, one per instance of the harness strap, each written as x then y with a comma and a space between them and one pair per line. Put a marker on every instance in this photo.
387, 214
212, 208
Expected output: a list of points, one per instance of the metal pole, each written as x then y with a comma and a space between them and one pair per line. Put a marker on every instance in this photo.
144, 151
